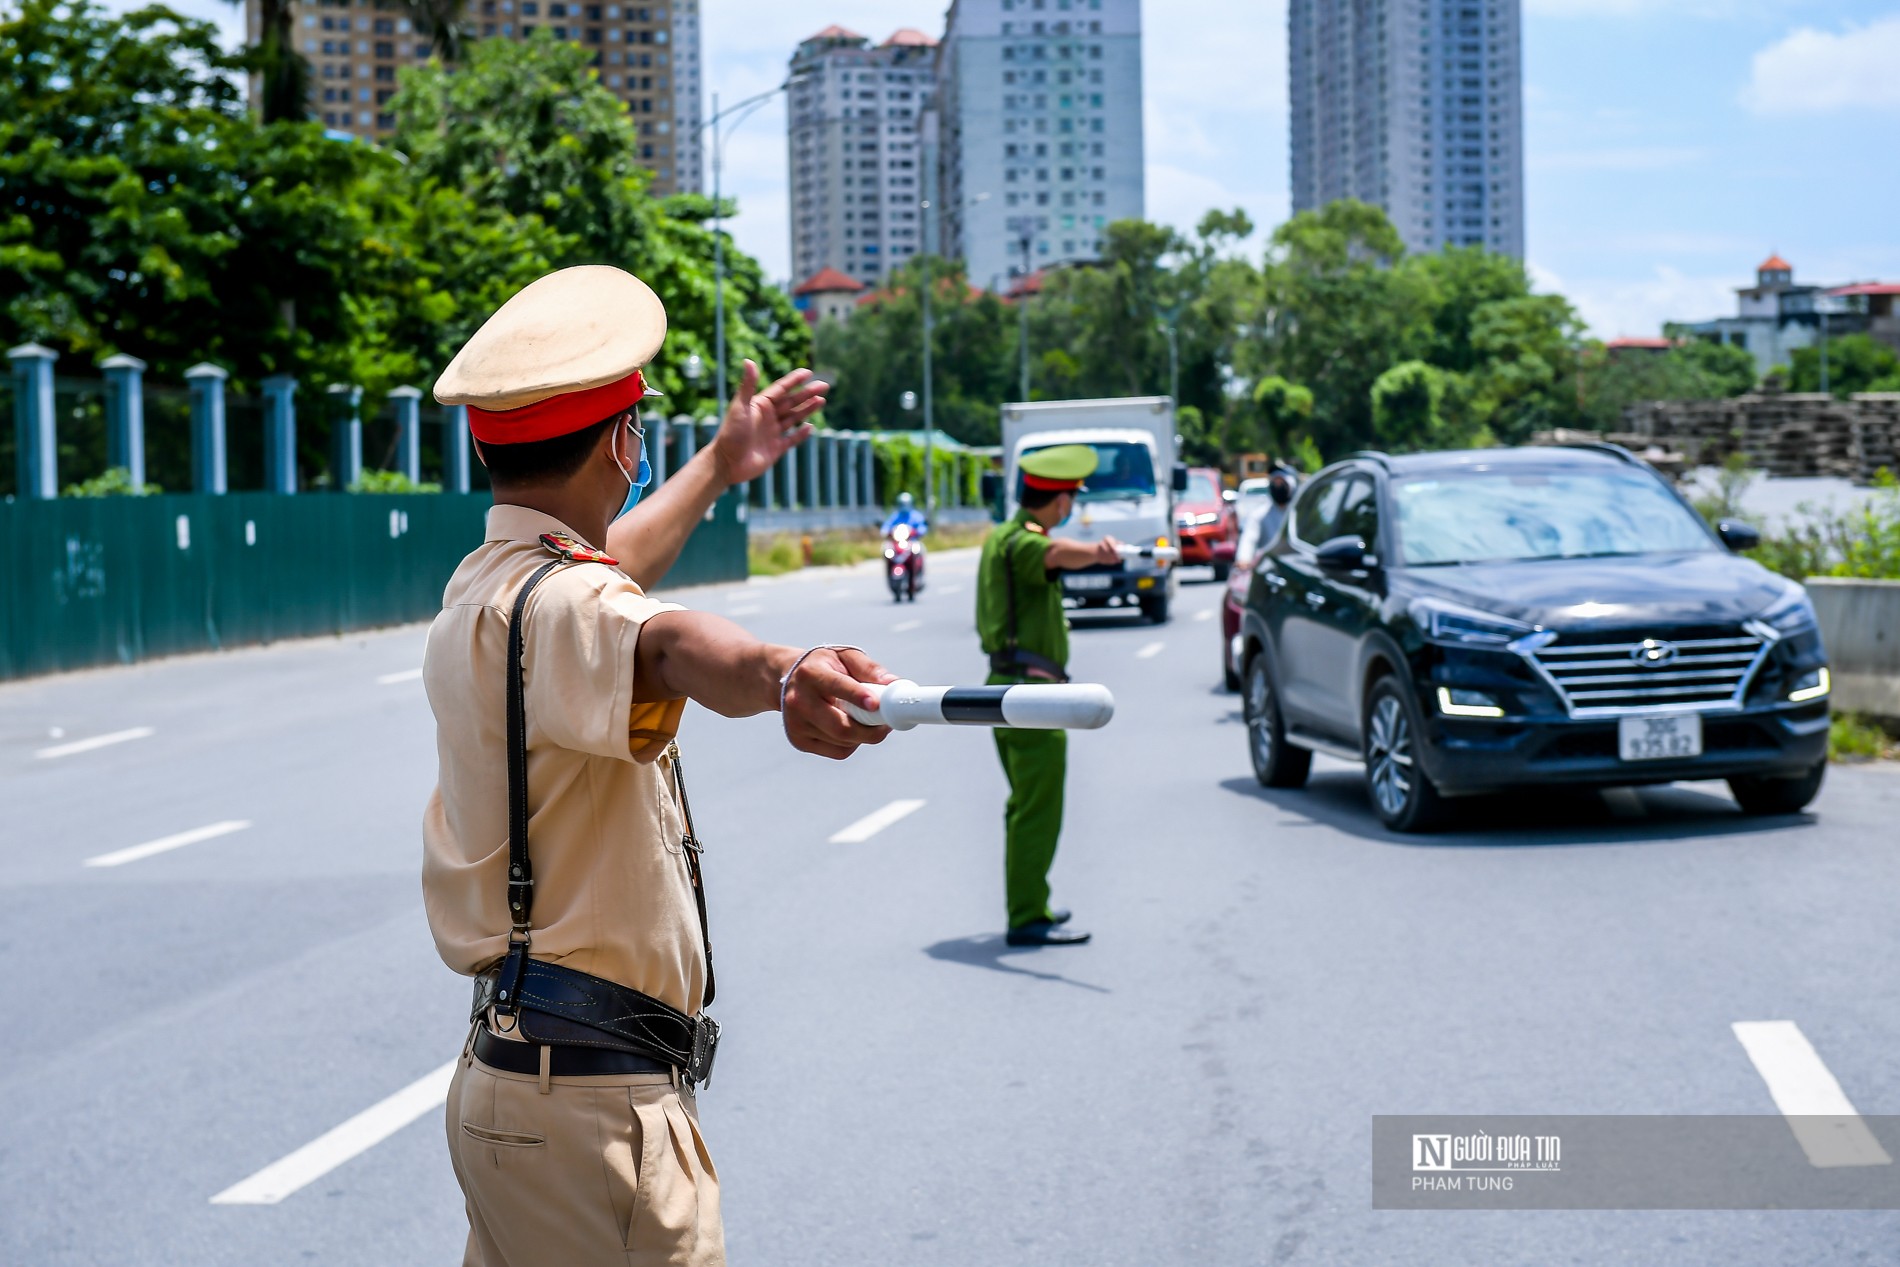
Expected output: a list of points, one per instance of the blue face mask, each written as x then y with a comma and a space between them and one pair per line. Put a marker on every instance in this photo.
636, 484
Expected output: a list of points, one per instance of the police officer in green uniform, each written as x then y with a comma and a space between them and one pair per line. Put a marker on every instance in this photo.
1020, 619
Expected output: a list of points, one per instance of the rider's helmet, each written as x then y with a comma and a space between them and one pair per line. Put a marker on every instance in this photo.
1280, 488
904, 501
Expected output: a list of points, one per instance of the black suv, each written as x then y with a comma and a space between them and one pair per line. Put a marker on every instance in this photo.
1470, 621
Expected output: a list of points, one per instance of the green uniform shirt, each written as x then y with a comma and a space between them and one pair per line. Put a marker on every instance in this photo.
1022, 546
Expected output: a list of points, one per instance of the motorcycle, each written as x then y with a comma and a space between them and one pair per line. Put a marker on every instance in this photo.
904, 563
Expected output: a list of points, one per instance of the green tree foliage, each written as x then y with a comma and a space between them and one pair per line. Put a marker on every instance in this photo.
1609, 381
1280, 412
878, 356
1855, 363
1408, 407
148, 212
526, 126
114, 481
1337, 311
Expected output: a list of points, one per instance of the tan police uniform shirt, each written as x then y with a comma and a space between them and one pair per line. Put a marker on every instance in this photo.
612, 895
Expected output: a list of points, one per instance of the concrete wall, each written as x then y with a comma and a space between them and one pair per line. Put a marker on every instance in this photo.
1860, 623
763, 523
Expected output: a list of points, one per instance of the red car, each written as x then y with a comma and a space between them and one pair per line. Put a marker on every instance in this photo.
1206, 523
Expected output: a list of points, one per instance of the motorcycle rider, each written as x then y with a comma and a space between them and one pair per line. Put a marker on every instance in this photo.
908, 516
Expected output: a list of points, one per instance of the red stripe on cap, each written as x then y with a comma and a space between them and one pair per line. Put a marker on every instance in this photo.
557, 415
1049, 485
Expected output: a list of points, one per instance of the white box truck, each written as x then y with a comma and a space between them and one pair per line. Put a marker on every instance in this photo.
1130, 497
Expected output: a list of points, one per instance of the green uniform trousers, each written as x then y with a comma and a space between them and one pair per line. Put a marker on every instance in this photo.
1036, 763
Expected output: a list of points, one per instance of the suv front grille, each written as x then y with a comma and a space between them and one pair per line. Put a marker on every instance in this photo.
1645, 675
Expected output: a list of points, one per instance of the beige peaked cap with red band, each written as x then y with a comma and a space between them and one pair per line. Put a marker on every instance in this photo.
583, 332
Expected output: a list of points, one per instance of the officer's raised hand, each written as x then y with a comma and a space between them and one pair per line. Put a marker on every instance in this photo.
761, 425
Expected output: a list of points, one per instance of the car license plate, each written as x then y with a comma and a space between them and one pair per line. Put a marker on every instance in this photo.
1670, 738
1089, 582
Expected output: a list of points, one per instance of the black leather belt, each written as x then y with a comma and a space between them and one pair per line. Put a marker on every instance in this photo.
565, 1062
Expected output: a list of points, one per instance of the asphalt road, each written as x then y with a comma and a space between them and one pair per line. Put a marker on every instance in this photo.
1270, 970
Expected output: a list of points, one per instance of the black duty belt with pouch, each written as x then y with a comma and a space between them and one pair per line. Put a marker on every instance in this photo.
557, 1006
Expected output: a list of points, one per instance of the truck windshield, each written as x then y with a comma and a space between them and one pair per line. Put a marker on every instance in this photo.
1505, 516
1121, 470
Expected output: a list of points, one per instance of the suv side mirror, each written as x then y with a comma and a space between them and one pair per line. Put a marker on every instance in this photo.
1345, 554
1180, 477
1738, 536
1229, 496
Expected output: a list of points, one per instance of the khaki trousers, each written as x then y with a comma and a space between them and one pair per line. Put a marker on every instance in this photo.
607, 1170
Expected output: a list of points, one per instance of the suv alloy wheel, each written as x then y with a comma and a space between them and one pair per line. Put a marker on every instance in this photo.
1402, 795
1276, 763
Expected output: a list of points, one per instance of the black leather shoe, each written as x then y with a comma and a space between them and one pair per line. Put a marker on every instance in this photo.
1058, 916
1044, 933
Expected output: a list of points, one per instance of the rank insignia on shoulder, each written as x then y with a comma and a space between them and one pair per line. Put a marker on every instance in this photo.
1033, 526
568, 548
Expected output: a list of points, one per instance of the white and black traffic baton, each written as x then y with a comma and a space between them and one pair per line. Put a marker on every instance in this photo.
903, 705
1160, 554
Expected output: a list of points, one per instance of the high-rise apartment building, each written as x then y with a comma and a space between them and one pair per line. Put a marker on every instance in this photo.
855, 157
647, 55
1038, 115
1415, 106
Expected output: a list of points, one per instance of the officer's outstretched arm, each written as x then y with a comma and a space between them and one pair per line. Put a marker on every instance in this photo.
1065, 556
710, 660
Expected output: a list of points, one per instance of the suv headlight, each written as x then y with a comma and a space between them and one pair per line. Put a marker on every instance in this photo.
1465, 627
1792, 613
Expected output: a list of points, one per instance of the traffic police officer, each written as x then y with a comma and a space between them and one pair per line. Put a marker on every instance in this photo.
1020, 619
560, 866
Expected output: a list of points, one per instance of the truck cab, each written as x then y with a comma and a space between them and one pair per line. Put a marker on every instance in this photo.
1130, 497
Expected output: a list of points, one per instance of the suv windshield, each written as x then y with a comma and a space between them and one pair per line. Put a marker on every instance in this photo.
1500, 516
1121, 470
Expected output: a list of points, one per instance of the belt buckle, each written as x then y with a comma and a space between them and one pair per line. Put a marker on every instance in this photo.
705, 1047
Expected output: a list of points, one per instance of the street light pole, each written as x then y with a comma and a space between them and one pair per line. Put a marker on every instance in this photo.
740, 111
1023, 226
930, 446
719, 267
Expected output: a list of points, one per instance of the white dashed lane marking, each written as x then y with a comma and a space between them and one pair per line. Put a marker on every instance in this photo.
334, 1147
1150, 651
876, 821
1204, 615
406, 675
97, 741
905, 626
1824, 1123
165, 844
749, 610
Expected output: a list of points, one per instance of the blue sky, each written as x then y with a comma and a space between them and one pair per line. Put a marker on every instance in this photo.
1670, 144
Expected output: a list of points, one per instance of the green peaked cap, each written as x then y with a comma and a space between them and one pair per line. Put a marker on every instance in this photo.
1064, 463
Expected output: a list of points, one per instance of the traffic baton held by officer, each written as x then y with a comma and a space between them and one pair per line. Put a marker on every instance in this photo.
560, 866
1025, 632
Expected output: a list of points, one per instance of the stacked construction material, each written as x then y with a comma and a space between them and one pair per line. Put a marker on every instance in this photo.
1876, 434
1799, 434
1705, 432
